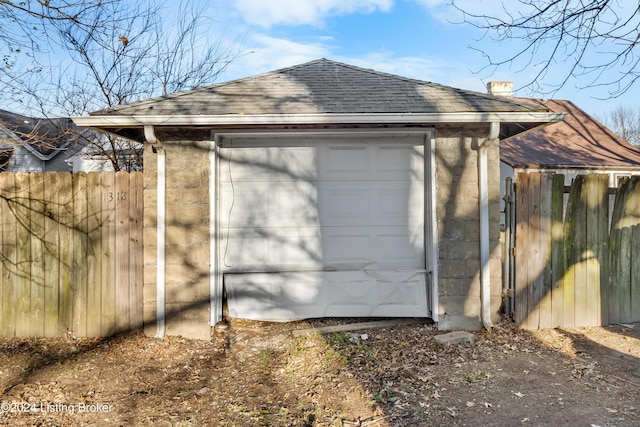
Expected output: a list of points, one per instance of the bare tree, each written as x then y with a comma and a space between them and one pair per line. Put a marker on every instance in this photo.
23, 32
121, 52
597, 40
625, 121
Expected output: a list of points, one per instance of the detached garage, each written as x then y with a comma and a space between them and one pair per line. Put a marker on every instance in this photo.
321, 190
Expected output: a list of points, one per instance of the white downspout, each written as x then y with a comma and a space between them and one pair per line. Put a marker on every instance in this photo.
150, 136
215, 282
483, 202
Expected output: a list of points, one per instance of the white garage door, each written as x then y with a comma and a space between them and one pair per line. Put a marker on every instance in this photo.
317, 227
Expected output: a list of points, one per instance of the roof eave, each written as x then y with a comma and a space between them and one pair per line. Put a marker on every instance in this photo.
109, 121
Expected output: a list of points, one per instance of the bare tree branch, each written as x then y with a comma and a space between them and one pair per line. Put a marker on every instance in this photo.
625, 121
597, 40
120, 52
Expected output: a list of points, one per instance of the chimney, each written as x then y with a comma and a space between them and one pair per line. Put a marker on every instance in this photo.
500, 88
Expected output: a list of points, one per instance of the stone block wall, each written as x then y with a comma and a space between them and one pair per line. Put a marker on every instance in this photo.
459, 228
187, 240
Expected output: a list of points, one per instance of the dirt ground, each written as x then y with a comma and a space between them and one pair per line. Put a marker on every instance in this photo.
260, 374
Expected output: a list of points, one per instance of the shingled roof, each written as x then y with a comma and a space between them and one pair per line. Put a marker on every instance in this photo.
579, 141
322, 87
47, 136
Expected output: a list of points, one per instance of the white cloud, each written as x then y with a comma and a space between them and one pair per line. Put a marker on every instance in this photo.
266, 13
265, 53
446, 72
445, 11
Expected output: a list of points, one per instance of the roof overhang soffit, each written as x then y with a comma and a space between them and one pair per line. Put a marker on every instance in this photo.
120, 124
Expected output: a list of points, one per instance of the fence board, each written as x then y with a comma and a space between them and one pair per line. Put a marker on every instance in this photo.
78, 271
633, 221
545, 241
36, 232
582, 255
615, 247
522, 237
9, 258
22, 280
635, 274
534, 256
624, 274
59, 235
2, 250
136, 277
557, 251
66, 288
570, 255
51, 253
595, 247
94, 263
108, 258
122, 251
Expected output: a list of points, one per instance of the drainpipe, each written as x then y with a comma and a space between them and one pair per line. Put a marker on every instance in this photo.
150, 136
483, 202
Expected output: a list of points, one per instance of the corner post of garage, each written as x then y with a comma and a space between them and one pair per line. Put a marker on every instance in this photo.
483, 205
430, 223
215, 277
151, 137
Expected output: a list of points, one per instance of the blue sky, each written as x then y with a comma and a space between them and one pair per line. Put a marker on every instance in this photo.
413, 38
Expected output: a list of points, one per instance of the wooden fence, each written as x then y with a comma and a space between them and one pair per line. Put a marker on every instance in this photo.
71, 252
576, 264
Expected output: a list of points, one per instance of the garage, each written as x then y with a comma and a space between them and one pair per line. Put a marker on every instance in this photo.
323, 225
321, 190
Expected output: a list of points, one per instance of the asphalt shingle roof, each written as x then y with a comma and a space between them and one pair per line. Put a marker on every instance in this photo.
322, 87
46, 136
579, 141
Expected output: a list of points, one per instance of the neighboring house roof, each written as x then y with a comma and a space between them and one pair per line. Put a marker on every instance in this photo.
322, 86
44, 138
579, 141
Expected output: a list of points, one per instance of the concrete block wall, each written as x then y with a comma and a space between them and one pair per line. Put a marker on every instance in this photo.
187, 240
459, 228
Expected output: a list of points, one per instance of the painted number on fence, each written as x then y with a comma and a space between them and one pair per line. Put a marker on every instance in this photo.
117, 196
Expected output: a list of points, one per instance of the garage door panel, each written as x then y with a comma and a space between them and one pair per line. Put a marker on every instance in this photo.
348, 250
263, 204
270, 249
291, 296
346, 161
371, 203
268, 296
291, 249
395, 161
397, 204
342, 204
398, 248
269, 164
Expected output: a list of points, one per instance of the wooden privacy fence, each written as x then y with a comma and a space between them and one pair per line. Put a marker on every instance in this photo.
71, 252
579, 264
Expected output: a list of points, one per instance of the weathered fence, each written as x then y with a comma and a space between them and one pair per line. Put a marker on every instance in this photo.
573, 265
71, 252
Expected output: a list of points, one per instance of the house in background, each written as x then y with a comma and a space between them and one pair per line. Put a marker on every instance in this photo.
578, 145
30, 144
36, 145
97, 158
